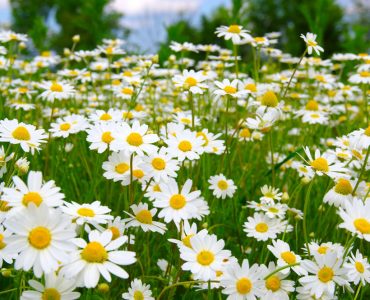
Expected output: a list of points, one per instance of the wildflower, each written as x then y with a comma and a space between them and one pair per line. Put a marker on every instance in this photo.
138, 290
234, 32
311, 44
221, 186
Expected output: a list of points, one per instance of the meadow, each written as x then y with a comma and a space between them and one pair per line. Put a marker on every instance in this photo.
227, 177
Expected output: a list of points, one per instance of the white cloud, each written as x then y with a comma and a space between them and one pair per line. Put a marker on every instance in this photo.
138, 7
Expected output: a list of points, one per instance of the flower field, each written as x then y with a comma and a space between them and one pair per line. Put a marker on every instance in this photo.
211, 175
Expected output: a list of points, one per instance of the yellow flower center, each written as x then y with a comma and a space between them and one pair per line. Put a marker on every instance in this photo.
273, 210
22, 90
127, 115
288, 257
158, 163
359, 267
230, 89
365, 74
322, 249
138, 295
177, 201
234, 29
325, 274
115, 232
222, 184
185, 121
106, 137
105, 117
204, 137
64, 126
4, 207
362, 225
311, 43
250, 87
367, 131
86, 212
138, 173
191, 81
94, 252
33, 197
39, 237
243, 286
157, 188
320, 164
205, 257
185, 146
134, 139
312, 105
269, 99
245, 133
343, 187
21, 133
186, 240
261, 227
127, 91
56, 87
2, 244
121, 168
144, 216
259, 39
50, 294
273, 283
128, 74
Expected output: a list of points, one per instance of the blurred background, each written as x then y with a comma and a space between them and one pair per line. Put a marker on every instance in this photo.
149, 26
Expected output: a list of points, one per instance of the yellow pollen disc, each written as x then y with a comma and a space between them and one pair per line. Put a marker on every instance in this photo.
219, 273
332, 93
4, 207
138, 295
311, 43
205, 257
204, 137
94, 252
358, 265
127, 74
185, 121
185, 146
22, 90
245, 133
158, 163
273, 210
259, 39
343, 187
312, 105
261, 227
51, 294
21, 133
33, 197
64, 126
269, 99
127, 115
186, 240
325, 274
191, 81
315, 116
45, 53
139, 107
273, 283
288, 257
320, 164
320, 78
134, 139
222, 185
39, 237
56, 87
362, 225
138, 173
86, 212
116, 82
127, 91
2, 244
73, 73
121, 168
115, 232
365, 74
251, 87
177, 201
106, 137
243, 286
105, 117
234, 29
357, 154
322, 249
109, 50
230, 89
367, 131
144, 216
269, 195
157, 188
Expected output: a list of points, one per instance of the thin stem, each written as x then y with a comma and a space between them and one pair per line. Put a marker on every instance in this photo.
358, 290
362, 171
306, 201
272, 158
236, 60
279, 269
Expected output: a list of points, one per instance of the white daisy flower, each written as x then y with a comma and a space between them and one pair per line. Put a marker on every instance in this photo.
311, 44
191, 81
72, 124
234, 32
358, 268
185, 145
340, 193
138, 290
103, 116
100, 135
56, 90
4, 254
221, 186
227, 87
270, 194
98, 256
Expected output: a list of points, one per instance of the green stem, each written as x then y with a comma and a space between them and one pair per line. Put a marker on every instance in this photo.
306, 201
279, 269
362, 171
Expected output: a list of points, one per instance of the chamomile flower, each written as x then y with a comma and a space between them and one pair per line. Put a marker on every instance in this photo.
72, 124
185, 145
362, 77
188, 231
358, 268
205, 257
98, 256
27, 136
191, 81
100, 135
90, 213
56, 90
281, 250
143, 218
340, 193
242, 282
227, 87
234, 32
221, 186
103, 116
311, 44
270, 194
55, 287
138, 290
42, 237
4, 254
263, 228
